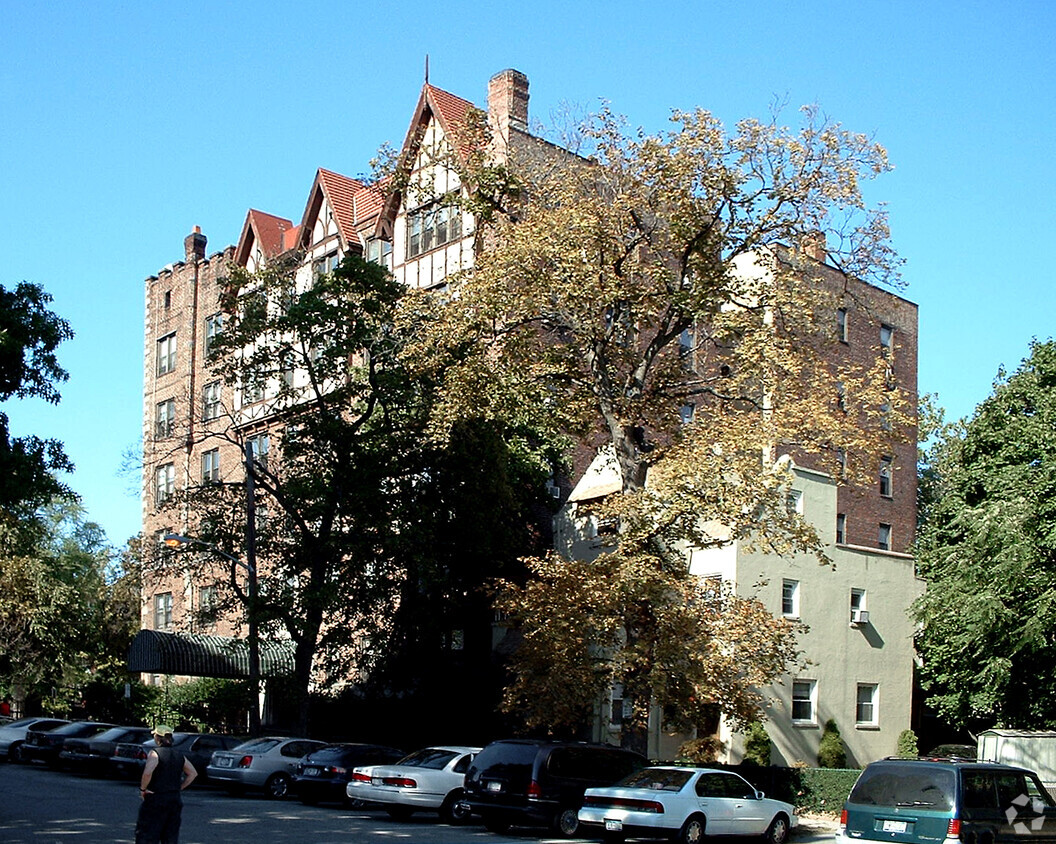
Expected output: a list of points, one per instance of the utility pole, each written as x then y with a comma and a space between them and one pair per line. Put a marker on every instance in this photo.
251, 608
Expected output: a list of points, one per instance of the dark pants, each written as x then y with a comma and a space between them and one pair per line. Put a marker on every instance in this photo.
159, 819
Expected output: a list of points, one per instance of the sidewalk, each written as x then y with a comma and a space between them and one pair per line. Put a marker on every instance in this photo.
811, 823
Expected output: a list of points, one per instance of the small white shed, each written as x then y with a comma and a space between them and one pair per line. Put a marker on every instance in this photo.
1034, 750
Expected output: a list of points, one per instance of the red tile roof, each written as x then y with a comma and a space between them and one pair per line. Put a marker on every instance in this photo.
266, 230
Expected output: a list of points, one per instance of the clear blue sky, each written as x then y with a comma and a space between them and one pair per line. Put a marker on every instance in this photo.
123, 125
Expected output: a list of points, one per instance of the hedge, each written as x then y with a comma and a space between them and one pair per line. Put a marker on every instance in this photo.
808, 789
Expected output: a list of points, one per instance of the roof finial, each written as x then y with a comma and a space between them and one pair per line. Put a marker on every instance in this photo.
426, 68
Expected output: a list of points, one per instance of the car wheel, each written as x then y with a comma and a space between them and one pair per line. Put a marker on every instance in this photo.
277, 786
399, 813
692, 831
16, 754
455, 810
498, 825
566, 821
777, 832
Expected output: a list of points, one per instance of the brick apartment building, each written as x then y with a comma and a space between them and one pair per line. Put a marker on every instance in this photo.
195, 431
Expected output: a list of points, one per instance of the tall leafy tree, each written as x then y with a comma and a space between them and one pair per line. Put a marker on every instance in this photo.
615, 291
370, 536
67, 611
987, 550
30, 333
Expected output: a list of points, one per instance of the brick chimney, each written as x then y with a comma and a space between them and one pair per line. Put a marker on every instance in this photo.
508, 102
194, 245
815, 246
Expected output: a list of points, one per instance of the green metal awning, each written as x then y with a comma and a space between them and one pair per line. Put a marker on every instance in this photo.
195, 655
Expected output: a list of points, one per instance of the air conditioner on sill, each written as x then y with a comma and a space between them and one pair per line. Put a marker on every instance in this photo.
859, 617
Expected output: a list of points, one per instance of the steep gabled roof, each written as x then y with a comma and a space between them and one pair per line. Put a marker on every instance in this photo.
452, 113
338, 191
267, 230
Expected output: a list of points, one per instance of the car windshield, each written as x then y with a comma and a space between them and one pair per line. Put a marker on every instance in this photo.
905, 785
430, 757
260, 745
657, 779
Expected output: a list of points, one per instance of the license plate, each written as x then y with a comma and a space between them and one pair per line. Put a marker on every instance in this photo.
494, 786
312, 772
894, 826
224, 762
613, 825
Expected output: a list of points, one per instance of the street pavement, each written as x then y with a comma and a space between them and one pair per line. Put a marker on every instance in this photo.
40, 806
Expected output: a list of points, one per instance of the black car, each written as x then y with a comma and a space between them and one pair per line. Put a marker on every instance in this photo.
542, 782
92, 755
129, 758
45, 745
323, 774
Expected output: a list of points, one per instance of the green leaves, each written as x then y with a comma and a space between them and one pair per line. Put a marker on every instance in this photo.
987, 551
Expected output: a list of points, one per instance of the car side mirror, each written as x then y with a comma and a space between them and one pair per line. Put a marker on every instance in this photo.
759, 795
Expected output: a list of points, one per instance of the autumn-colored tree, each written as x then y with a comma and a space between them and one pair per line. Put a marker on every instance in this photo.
666, 295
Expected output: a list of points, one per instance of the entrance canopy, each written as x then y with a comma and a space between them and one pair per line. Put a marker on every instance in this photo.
195, 655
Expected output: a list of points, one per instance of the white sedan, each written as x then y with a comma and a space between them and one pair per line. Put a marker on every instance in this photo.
685, 803
431, 779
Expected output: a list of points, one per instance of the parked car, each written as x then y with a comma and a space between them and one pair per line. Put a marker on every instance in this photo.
13, 735
45, 745
960, 751
906, 801
323, 774
92, 755
541, 782
129, 758
431, 778
686, 804
264, 763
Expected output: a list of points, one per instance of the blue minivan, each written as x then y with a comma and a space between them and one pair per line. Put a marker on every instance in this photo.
923, 801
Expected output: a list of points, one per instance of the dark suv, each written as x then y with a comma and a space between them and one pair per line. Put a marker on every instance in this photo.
541, 782
920, 801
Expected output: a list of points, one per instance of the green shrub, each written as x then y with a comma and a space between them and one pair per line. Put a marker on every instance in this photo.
831, 752
907, 745
756, 745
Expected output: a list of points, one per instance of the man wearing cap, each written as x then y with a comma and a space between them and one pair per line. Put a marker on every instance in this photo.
166, 774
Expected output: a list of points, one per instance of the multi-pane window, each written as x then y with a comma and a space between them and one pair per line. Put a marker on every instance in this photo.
165, 418
865, 710
841, 462
163, 611
326, 264
887, 339
258, 448
211, 466
379, 251
841, 528
252, 389
790, 598
685, 413
432, 226
794, 501
211, 400
213, 326
841, 325
167, 353
286, 369
165, 482
804, 701
883, 541
207, 603
885, 477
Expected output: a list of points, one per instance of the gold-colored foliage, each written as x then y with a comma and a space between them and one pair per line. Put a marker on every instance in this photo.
615, 289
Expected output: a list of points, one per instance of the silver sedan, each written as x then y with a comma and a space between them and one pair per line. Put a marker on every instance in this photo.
261, 763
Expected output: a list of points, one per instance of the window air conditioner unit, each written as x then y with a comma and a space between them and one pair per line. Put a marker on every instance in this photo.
859, 617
